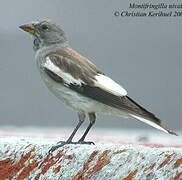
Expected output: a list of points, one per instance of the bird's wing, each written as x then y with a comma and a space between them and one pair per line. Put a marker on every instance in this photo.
76, 69
76, 72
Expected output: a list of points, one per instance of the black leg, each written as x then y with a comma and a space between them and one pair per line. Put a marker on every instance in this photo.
92, 118
69, 140
81, 119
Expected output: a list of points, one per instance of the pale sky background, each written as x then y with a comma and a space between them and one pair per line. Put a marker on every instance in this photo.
144, 55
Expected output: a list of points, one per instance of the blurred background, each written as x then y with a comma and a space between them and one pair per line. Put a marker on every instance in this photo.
142, 54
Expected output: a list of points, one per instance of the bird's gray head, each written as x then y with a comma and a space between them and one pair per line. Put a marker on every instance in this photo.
45, 33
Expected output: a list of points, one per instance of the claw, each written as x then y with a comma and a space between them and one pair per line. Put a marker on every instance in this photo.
86, 142
62, 143
59, 144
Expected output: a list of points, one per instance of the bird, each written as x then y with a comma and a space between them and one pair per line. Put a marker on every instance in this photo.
79, 83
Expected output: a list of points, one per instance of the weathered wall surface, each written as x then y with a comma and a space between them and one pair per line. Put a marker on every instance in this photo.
28, 158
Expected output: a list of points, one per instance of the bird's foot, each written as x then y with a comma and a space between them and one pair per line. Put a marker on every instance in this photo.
59, 144
86, 142
62, 143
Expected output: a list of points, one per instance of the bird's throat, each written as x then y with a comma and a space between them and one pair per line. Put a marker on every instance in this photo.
36, 43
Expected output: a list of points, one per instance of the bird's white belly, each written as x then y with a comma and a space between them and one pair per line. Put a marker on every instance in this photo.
68, 96
77, 101
73, 99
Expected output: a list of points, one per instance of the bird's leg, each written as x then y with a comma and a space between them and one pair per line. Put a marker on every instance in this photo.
81, 120
92, 118
69, 140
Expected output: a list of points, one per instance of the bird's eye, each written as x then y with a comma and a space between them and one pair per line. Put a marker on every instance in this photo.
44, 27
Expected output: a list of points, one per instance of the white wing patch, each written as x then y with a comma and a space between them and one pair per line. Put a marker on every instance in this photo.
109, 85
68, 78
101, 81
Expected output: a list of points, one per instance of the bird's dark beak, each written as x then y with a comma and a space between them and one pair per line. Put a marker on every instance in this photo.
30, 28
